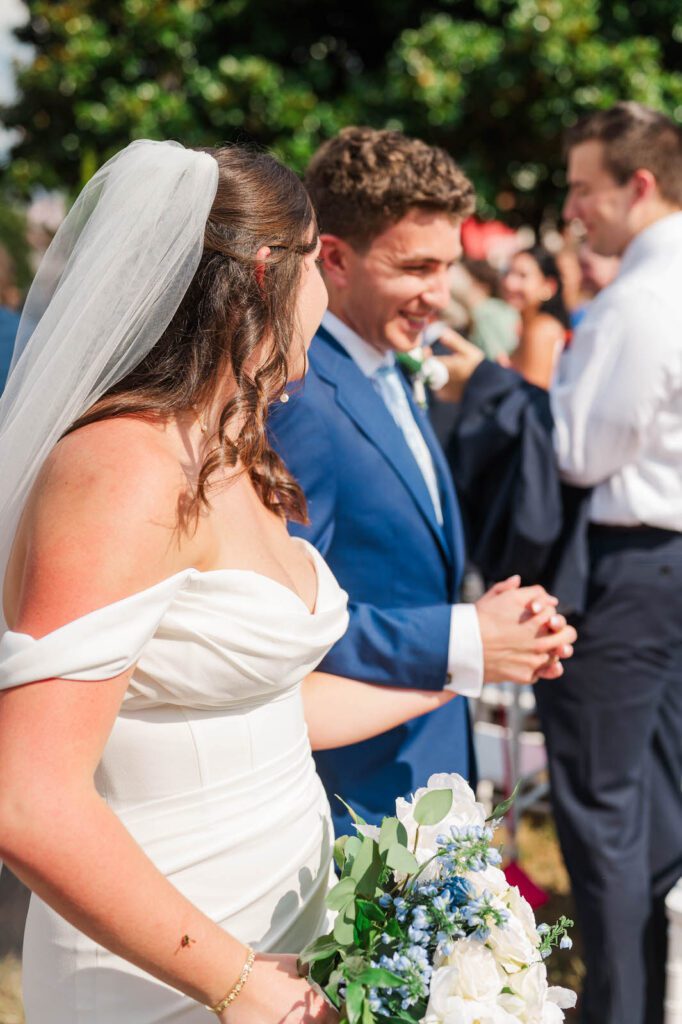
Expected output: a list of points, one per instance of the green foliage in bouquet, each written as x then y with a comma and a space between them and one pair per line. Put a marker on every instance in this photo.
410, 899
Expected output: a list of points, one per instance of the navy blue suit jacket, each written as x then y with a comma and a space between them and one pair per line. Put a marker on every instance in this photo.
373, 520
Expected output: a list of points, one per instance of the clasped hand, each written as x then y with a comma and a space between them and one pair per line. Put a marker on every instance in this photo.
524, 638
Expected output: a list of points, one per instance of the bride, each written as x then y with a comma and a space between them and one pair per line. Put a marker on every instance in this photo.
158, 795
157, 791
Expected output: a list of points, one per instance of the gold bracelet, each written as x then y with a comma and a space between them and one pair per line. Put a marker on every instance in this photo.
237, 987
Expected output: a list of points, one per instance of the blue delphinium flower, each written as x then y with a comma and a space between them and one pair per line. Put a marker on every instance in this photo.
412, 965
466, 848
401, 908
480, 914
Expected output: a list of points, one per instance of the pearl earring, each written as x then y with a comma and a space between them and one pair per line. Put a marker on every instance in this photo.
203, 425
284, 398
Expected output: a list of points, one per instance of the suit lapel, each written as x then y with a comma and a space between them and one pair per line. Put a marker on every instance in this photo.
355, 394
452, 521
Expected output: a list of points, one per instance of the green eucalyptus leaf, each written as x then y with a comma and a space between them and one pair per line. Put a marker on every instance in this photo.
379, 977
354, 814
367, 1015
501, 809
363, 927
322, 947
355, 998
351, 850
353, 965
402, 860
344, 927
367, 868
339, 851
392, 831
331, 989
371, 910
433, 806
342, 894
363, 858
321, 969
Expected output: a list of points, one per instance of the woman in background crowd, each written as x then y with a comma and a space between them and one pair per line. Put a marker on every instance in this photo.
494, 324
532, 285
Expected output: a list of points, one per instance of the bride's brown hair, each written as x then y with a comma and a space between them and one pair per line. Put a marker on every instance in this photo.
234, 317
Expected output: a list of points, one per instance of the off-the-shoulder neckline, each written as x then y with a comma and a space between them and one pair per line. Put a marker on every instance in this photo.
193, 572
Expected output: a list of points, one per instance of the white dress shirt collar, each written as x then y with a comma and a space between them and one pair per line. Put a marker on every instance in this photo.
367, 358
653, 240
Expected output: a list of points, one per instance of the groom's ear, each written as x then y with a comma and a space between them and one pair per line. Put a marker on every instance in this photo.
336, 255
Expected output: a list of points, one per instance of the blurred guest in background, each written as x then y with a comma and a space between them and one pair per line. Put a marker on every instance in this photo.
584, 273
10, 300
532, 285
493, 322
596, 272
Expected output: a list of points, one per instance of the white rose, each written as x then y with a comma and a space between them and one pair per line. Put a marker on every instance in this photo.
467, 1011
490, 880
565, 998
464, 811
511, 944
522, 910
529, 994
472, 972
436, 373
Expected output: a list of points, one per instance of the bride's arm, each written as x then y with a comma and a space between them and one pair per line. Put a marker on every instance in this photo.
85, 549
341, 711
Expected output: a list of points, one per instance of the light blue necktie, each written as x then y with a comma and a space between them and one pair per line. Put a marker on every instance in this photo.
387, 382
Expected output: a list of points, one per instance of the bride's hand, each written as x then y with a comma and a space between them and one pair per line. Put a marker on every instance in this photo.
275, 994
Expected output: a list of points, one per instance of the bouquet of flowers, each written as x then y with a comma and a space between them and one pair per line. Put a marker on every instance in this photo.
427, 928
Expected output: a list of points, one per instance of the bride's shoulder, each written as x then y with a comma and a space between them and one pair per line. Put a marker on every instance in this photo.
124, 457
101, 521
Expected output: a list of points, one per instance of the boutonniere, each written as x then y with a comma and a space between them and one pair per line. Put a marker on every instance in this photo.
424, 371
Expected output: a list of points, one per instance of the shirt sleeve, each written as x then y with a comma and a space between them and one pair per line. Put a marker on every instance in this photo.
465, 653
609, 385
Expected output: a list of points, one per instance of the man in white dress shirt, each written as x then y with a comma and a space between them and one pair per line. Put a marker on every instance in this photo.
614, 723
615, 726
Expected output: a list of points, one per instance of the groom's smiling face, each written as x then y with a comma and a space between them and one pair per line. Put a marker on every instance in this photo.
399, 284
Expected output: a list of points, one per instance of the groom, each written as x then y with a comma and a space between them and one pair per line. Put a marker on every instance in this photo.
382, 507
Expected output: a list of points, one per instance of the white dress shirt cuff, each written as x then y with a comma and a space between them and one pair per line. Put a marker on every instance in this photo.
465, 652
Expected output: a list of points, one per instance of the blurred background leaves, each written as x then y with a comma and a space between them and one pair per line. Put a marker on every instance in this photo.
494, 81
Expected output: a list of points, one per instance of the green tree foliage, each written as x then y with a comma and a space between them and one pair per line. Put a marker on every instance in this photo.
494, 81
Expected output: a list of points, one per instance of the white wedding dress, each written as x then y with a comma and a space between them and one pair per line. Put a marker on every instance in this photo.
208, 766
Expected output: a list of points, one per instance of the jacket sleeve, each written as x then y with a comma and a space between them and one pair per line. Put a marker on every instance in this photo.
502, 460
395, 647
405, 647
520, 517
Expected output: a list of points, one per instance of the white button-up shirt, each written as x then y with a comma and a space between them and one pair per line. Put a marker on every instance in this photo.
465, 650
617, 398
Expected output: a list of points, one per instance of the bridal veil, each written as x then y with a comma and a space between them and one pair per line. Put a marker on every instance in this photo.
106, 289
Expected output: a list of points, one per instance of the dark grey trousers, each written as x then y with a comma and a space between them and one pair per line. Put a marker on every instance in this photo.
614, 735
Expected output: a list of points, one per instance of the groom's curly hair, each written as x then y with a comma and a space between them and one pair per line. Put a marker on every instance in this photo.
363, 180
238, 323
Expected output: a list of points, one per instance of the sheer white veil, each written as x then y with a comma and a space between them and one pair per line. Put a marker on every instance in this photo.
106, 289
